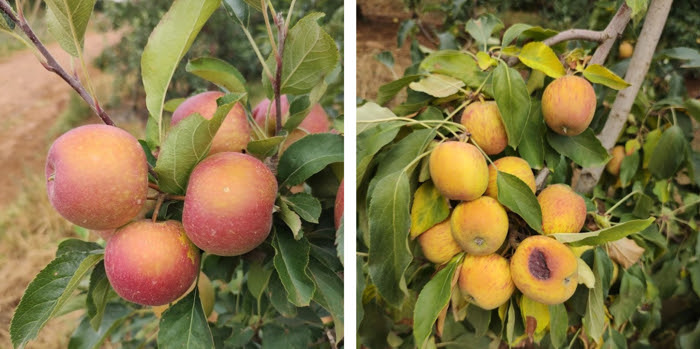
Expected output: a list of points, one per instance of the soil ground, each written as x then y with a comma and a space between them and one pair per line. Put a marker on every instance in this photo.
31, 99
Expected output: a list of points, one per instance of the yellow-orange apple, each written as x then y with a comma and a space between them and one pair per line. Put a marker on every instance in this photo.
437, 243
459, 171
486, 281
510, 165
484, 124
568, 105
563, 211
479, 226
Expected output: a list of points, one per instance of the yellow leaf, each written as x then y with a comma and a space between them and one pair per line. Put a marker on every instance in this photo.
599, 74
429, 208
536, 317
537, 55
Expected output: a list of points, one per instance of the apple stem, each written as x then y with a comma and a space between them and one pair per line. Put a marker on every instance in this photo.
159, 203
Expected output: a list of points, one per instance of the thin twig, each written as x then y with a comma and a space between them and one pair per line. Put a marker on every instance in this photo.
52, 65
281, 37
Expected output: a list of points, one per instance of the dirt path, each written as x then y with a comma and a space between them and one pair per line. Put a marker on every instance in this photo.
31, 98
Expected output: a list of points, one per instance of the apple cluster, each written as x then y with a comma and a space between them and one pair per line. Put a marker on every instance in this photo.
541, 267
97, 178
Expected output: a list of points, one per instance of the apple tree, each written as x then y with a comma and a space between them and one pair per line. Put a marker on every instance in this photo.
221, 227
530, 189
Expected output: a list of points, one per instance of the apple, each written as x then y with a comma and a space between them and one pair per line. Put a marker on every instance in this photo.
568, 105
510, 165
485, 280
459, 170
229, 202
97, 176
437, 243
234, 132
151, 263
484, 124
479, 226
563, 211
544, 269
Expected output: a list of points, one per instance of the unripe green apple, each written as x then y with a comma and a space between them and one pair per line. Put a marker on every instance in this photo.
97, 176
229, 202
568, 105
563, 211
437, 243
151, 263
234, 132
479, 226
458, 170
486, 281
544, 269
484, 124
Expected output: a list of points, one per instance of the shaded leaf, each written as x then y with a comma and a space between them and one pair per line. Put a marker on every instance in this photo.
184, 325
264, 148
329, 294
258, 279
434, 296
86, 337
388, 91
559, 320
513, 32
631, 295
668, 153
371, 142
455, 64
308, 156
584, 149
513, 102
305, 205
531, 147
98, 293
519, 198
291, 261
482, 28
594, 318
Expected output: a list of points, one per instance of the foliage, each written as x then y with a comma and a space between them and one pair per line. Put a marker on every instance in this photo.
286, 292
642, 222
218, 38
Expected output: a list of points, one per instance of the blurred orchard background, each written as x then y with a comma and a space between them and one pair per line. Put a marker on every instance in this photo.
36, 106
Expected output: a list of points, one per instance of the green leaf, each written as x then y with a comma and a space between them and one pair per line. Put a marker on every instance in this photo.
599, 74
429, 208
292, 220
519, 198
97, 296
668, 154
402, 155
67, 21
301, 106
329, 294
513, 102
602, 236
482, 28
49, 291
389, 222
631, 295
218, 72
258, 279
434, 296
5, 22
692, 106
305, 205
340, 240
594, 318
278, 297
639, 8
513, 32
386, 58
388, 91
85, 337
559, 324
184, 325
437, 85
455, 64
169, 106
583, 149
629, 167
309, 54
166, 46
239, 11
187, 144
308, 156
371, 142
537, 55
264, 148
291, 261
531, 147
370, 112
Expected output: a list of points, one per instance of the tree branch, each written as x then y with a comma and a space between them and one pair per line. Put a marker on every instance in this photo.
614, 29
637, 70
53, 66
576, 34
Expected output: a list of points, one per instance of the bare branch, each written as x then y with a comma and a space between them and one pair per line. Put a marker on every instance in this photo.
576, 34
637, 70
53, 66
608, 36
